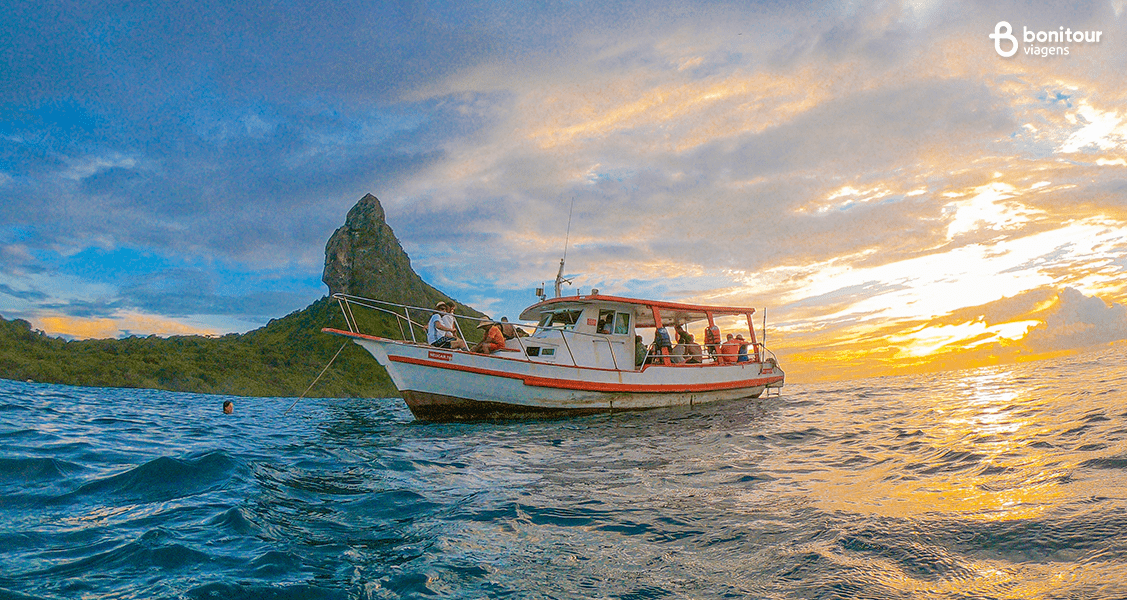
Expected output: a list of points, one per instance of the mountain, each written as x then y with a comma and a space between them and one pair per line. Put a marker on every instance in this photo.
362, 258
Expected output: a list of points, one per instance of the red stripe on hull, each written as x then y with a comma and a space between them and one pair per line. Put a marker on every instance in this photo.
429, 363
567, 384
595, 386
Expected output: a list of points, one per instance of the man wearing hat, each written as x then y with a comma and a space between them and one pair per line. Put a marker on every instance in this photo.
441, 332
494, 339
742, 355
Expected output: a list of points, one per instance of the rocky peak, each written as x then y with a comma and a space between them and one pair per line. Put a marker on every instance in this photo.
368, 212
364, 258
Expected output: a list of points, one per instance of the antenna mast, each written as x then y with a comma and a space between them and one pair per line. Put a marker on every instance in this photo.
567, 238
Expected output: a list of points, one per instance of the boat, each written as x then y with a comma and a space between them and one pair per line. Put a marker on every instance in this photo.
581, 357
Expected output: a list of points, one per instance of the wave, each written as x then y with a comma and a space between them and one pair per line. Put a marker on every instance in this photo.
6, 594
161, 479
25, 470
1110, 462
989, 486
238, 591
157, 549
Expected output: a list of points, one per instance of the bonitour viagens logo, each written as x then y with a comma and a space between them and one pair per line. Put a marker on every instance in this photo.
1039, 43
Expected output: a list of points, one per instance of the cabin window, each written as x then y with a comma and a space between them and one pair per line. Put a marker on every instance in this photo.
547, 352
622, 324
533, 350
606, 321
560, 319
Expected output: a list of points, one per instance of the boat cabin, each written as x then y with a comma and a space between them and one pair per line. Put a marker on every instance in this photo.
599, 331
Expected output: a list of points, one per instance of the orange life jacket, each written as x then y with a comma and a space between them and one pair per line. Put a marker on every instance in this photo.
712, 335
729, 350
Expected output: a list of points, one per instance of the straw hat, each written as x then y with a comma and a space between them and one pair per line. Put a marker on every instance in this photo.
485, 324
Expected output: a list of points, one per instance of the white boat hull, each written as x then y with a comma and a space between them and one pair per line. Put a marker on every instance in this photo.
449, 385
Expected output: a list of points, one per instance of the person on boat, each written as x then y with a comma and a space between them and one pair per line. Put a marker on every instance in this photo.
741, 356
494, 340
712, 340
692, 352
678, 355
452, 327
441, 332
687, 351
662, 347
729, 350
510, 331
683, 337
606, 325
639, 351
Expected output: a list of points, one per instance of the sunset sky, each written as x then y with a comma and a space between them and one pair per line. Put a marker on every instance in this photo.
897, 195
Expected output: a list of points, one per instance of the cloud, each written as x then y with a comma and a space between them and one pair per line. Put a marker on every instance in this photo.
671, 206
148, 55
1037, 323
33, 295
188, 292
117, 284
1079, 321
1030, 304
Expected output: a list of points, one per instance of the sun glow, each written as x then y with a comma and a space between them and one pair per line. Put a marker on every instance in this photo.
86, 328
987, 209
1103, 130
901, 313
930, 339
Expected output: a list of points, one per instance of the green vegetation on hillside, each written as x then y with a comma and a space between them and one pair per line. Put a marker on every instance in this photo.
280, 359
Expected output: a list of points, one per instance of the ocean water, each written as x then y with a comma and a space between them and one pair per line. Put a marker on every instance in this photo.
1005, 482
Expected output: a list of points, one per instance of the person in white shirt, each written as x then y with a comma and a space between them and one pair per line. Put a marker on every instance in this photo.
441, 331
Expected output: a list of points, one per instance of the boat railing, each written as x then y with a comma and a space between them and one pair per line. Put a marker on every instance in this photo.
347, 301
402, 314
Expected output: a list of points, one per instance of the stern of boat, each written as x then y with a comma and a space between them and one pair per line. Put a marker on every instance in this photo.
770, 368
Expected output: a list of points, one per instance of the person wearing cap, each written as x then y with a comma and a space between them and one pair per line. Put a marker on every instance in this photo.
441, 332
493, 340
742, 355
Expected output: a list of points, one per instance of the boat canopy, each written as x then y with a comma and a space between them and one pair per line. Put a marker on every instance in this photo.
646, 312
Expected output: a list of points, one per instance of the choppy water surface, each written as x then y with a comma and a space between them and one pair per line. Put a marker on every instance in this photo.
1002, 482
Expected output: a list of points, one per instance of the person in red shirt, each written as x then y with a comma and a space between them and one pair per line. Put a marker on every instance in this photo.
493, 341
729, 350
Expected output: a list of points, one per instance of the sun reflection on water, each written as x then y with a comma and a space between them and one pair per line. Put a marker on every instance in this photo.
972, 484
971, 450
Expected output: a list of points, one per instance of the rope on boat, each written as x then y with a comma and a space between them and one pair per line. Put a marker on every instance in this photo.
302, 397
